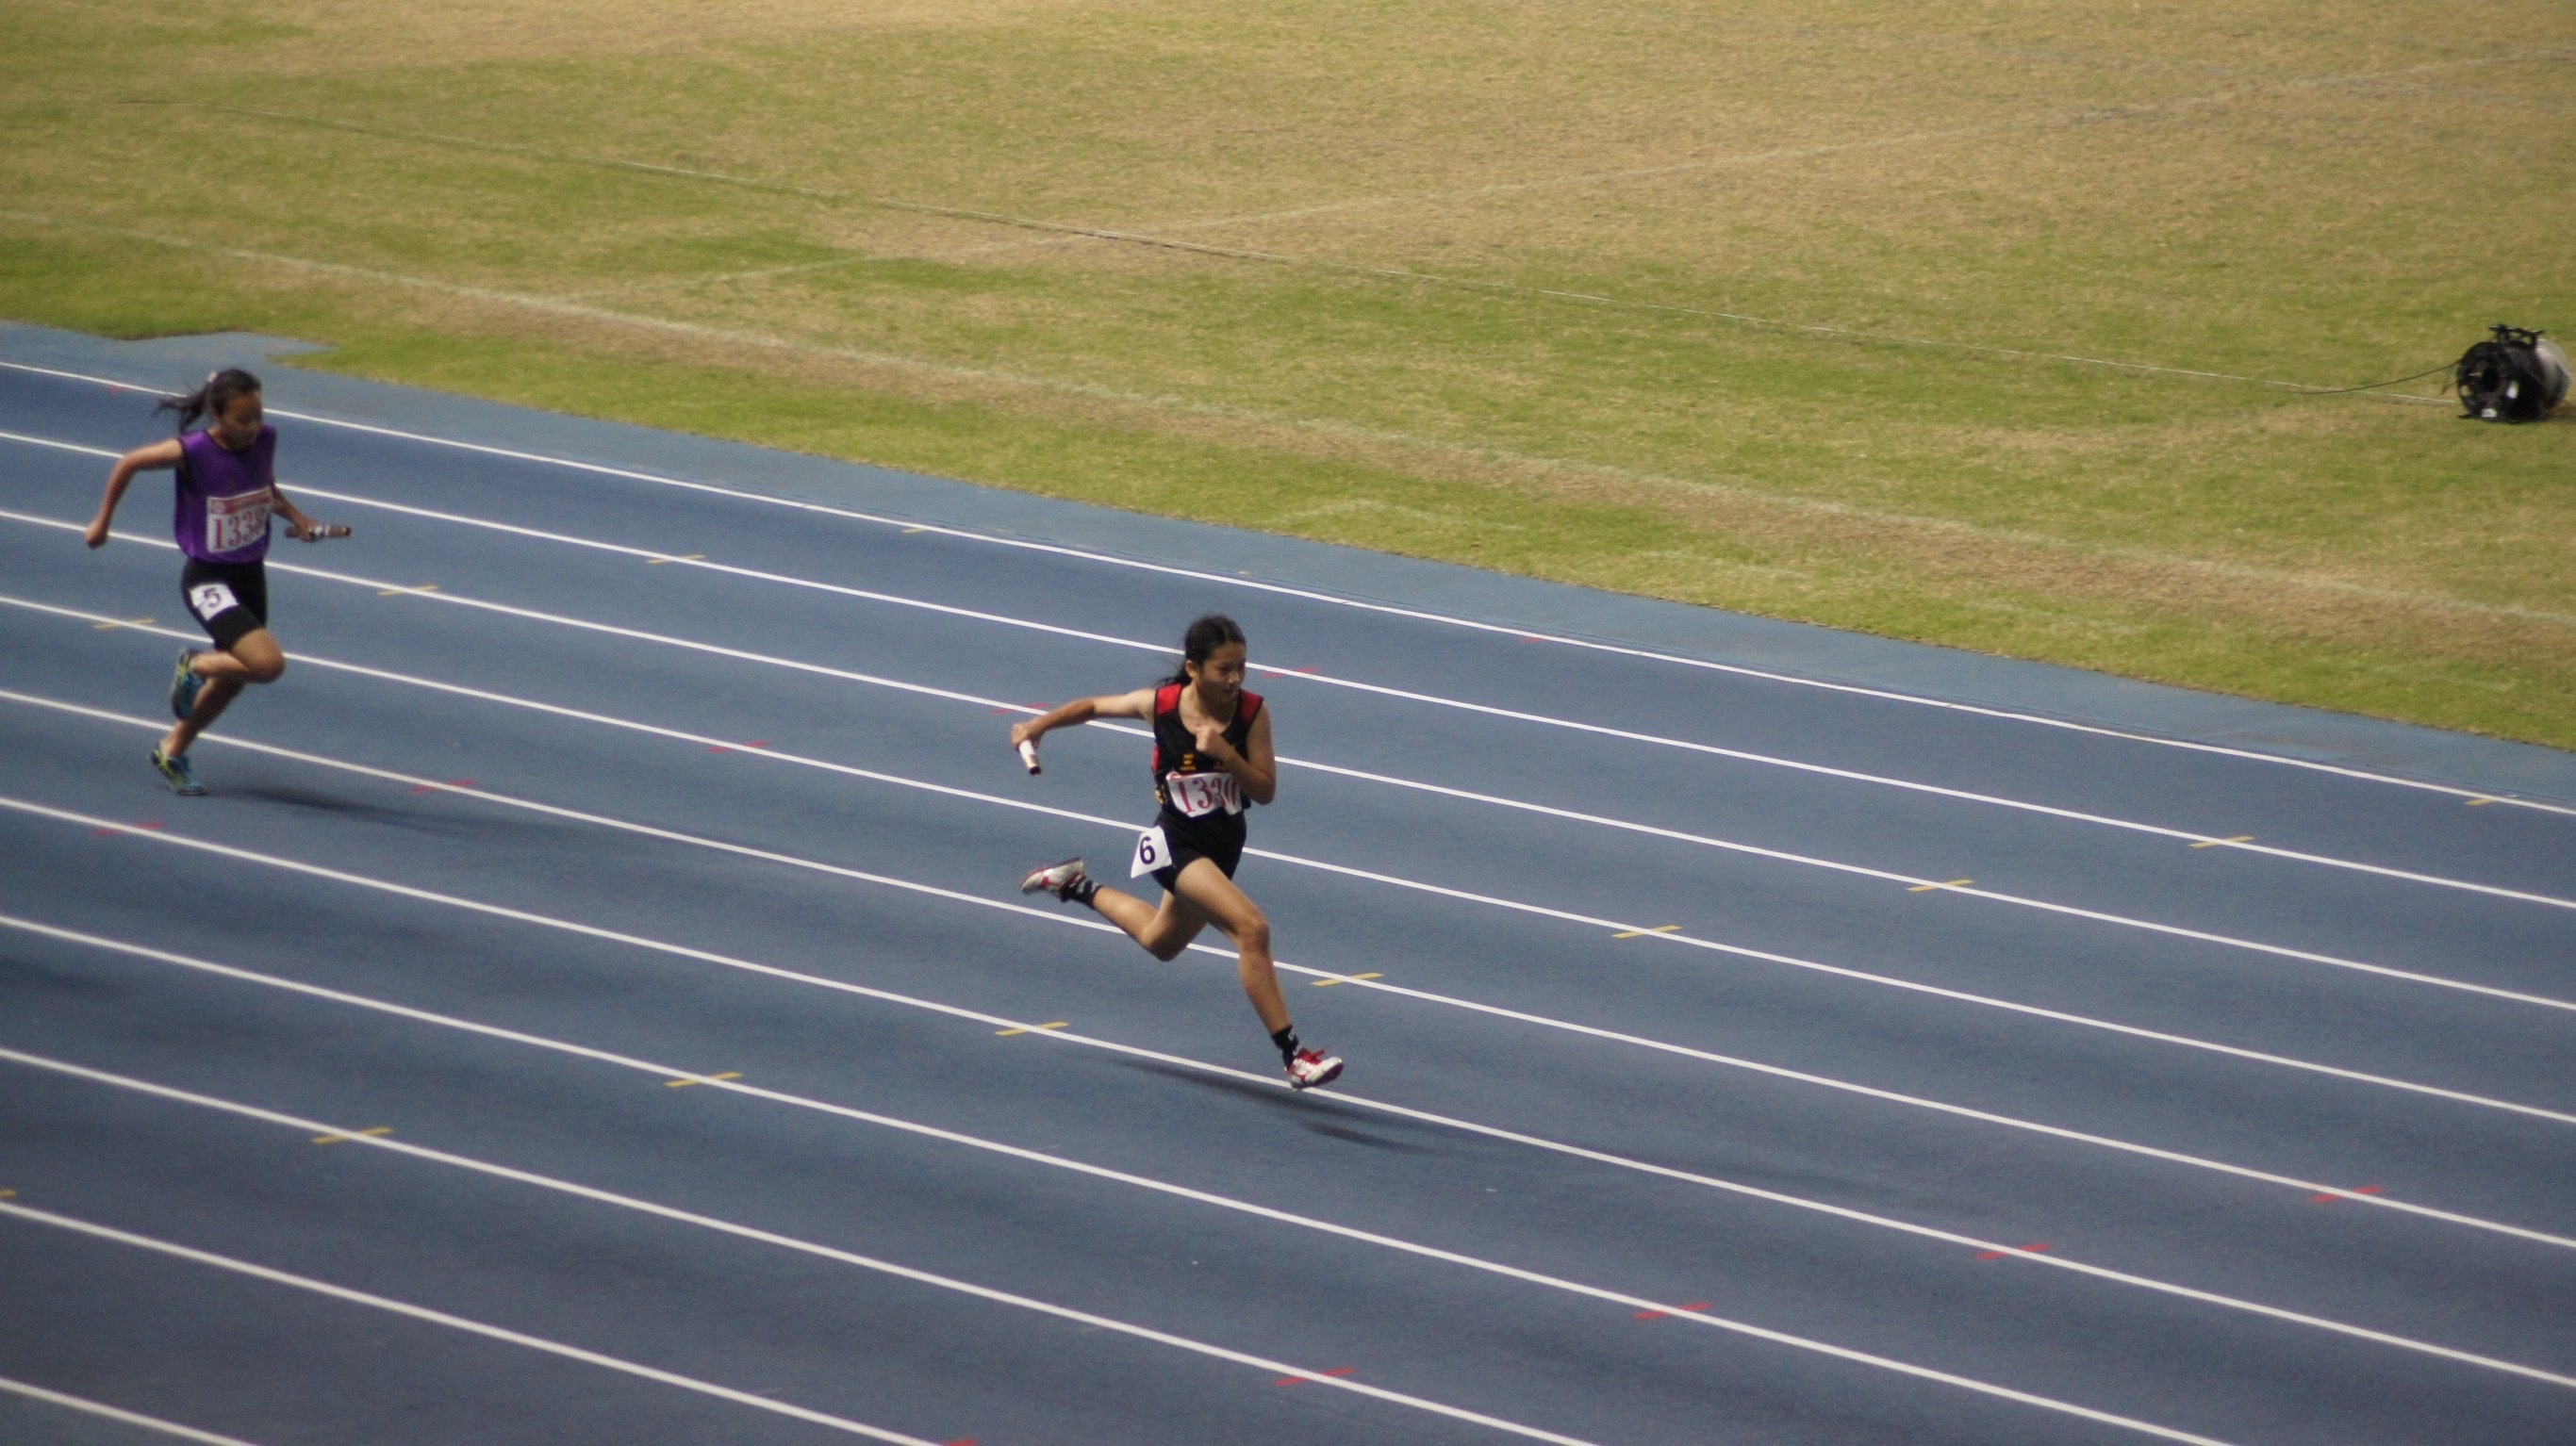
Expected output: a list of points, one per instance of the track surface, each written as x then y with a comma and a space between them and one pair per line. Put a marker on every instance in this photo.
901, 1219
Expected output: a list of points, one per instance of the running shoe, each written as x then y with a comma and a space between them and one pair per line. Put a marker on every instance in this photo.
1313, 1067
184, 685
1062, 880
181, 776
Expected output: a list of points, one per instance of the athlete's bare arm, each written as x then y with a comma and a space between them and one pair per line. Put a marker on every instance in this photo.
297, 524
1256, 767
1139, 704
142, 459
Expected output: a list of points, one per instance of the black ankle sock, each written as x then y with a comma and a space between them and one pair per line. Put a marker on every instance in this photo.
1081, 890
1286, 1039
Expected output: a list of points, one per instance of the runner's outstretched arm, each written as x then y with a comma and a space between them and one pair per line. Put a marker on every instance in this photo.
142, 459
1139, 704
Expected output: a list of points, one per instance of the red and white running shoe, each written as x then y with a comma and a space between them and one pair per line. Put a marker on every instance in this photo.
1057, 879
1313, 1067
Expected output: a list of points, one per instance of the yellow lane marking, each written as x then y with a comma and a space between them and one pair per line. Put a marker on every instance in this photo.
2211, 843
126, 623
8, 1194
1348, 978
399, 591
2476, 801
911, 530
1641, 933
1927, 888
336, 1139
681, 1084
683, 557
1057, 1024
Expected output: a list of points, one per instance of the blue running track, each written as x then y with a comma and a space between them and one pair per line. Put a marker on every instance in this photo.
592, 1006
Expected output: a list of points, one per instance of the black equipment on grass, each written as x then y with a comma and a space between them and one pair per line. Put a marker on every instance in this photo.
2517, 376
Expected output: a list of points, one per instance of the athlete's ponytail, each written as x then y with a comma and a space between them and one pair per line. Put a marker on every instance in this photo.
1209, 633
211, 399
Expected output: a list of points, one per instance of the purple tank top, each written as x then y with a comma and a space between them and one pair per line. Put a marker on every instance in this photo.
223, 497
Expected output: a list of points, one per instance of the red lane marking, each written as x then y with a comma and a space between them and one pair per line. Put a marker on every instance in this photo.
757, 743
964, 1441
1694, 1306
451, 783
2034, 1248
2357, 1190
149, 823
1301, 1380
1526, 638
1309, 668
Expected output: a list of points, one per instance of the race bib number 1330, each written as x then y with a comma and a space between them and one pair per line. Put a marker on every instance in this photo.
1196, 795
237, 521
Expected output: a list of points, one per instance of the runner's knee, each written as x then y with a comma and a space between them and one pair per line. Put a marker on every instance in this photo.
265, 668
1253, 933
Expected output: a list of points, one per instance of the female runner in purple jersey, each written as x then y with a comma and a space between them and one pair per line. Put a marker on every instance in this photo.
227, 488
1211, 758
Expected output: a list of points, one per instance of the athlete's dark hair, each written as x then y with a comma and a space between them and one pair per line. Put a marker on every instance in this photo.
210, 399
1209, 633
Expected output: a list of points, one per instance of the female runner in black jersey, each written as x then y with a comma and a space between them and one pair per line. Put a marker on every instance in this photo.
1211, 758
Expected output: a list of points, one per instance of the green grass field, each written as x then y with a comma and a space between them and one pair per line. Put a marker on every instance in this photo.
1544, 286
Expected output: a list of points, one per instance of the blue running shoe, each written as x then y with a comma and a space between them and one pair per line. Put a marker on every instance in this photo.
184, 685
177, 772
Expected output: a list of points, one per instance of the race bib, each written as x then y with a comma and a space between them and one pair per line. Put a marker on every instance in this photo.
1196, 795
237, 521
210, 598
1152, 852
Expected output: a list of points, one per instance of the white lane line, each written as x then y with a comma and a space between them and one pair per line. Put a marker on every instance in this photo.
34, 1392
385, 588
2053, 1259
1408, 695
2099, 916
653, 555
1263, 1212
1587, 921
684, 951
1359, 604
421, 784
10, 1209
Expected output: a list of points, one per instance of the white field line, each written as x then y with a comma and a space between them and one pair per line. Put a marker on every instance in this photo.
1321, 426
665, 1072
119, 1414
12, 1210
1381, 690
1072, 231
1389, 780
418, 783
592, 931
2061, 120
1261, 1212
1363, 605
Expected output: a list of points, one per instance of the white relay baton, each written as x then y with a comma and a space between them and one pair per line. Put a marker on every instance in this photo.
1029, 755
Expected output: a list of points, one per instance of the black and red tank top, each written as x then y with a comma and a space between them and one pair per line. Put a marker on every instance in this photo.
1186, 784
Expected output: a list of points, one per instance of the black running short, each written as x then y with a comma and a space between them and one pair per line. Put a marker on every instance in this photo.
1187, 843
228, 599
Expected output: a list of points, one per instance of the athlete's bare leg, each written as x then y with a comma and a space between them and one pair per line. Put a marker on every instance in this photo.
255, 658
1205, 890
1164, 932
